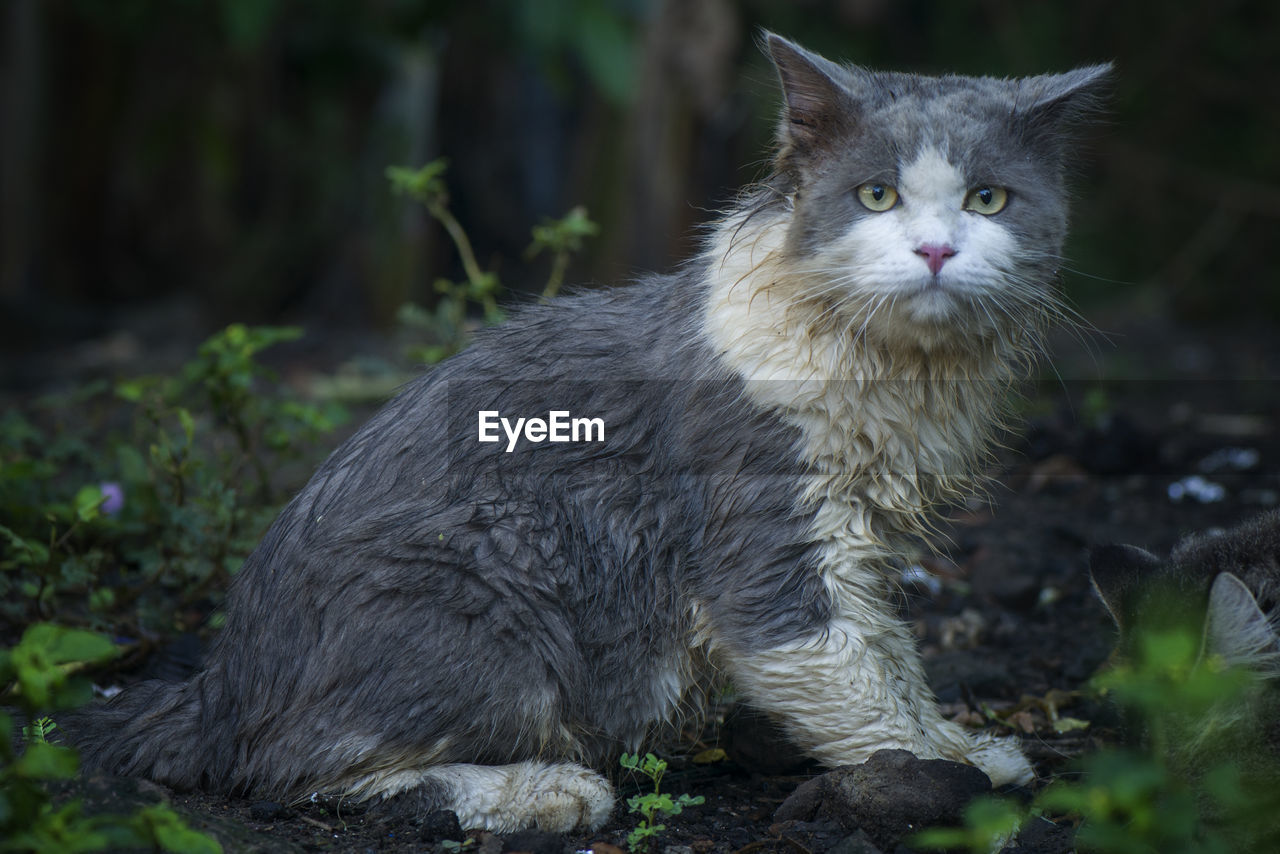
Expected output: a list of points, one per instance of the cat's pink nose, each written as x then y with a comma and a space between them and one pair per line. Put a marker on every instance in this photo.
935, 255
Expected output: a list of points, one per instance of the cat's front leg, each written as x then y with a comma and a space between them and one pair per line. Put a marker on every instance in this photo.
857, 686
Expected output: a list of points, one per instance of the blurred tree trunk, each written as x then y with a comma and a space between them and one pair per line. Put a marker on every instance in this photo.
18, 166
687, 70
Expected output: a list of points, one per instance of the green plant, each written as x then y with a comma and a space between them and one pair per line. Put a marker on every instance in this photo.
561, 238
1203, 781
129, 508
38, 676
447, 327
652, 805
39, 730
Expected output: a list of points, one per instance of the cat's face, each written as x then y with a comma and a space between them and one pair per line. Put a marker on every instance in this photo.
926, 207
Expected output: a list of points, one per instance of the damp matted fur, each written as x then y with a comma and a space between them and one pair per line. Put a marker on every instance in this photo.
445, 622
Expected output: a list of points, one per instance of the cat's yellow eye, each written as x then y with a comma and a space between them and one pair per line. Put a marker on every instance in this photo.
987, 200
877, 197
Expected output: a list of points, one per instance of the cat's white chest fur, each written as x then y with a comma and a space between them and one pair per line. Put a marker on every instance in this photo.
889, 427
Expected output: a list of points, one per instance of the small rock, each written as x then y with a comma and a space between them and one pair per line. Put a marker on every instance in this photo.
805, 803
265, 810
889, 797
855, 843
440, 825
533, 842
677, 849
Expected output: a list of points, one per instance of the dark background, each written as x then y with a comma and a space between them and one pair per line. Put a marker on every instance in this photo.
169, 166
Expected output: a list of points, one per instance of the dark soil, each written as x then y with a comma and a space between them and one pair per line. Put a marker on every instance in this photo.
1005, 616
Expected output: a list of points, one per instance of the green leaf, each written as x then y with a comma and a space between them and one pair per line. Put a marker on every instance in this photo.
188, 423
44, 761
1061, 725
76, 645
27, 552
562, 235
425, 184
88, 502
607, 50
247, 22
131, 390
167, 828
133, 468
38, 661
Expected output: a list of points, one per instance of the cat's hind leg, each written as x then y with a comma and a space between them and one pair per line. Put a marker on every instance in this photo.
552, 796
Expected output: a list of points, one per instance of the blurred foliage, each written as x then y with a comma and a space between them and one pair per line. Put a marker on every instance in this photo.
1203, 781
37, 676
129, 508
447, 328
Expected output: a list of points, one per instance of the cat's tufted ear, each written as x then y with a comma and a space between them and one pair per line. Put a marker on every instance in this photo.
1237, 629
1059, 101
1118, 572
816, 105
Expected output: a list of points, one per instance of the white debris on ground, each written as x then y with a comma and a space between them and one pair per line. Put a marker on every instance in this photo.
1196, 488
1229, 459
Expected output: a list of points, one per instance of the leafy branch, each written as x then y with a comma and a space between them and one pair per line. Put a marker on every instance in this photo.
560, 238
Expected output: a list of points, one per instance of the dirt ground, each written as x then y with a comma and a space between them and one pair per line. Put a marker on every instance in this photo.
1182, 438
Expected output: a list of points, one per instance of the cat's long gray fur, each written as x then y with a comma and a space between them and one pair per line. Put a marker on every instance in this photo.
435, 618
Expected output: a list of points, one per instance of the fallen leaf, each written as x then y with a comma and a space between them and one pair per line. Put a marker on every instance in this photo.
1022, 720
1061, 725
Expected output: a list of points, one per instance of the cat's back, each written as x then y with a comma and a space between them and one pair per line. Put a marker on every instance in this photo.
450, 453
1250, 550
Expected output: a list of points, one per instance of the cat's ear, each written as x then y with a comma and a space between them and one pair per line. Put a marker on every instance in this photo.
1236, 627
1061, 101
816, 105
1117, 573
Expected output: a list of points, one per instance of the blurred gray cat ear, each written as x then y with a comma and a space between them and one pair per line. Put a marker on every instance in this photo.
1117, 571
1236, 627
816, 102
1062, 99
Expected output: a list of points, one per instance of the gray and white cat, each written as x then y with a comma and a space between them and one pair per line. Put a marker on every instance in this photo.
474, 625
1222, 587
